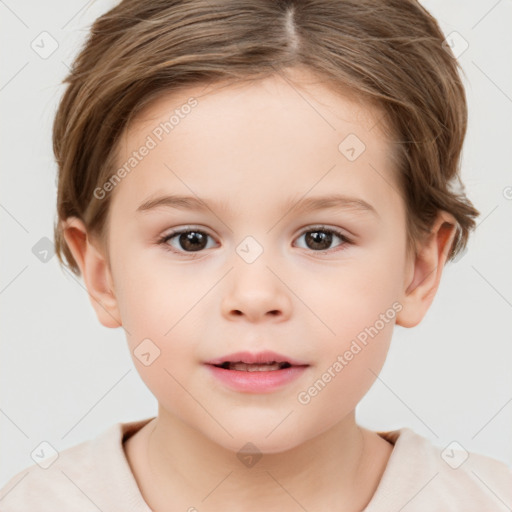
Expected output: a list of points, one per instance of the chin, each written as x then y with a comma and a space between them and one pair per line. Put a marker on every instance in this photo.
242, 444
262, 433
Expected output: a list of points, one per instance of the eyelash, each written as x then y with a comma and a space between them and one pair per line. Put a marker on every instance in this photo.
164, 239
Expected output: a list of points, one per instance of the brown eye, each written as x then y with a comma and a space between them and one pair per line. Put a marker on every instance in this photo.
321, 239
192, 240
186, 241
318, 240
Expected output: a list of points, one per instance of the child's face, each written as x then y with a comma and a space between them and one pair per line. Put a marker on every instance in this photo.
250, 152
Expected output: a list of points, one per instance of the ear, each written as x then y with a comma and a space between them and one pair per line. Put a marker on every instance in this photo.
424, 272
95, 271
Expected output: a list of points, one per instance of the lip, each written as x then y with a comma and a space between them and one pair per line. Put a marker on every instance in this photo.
257, 381
267, 356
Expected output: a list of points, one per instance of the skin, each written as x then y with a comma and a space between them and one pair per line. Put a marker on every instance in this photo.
255, 146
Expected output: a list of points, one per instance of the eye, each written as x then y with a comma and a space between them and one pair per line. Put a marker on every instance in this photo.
189, 241
320, 238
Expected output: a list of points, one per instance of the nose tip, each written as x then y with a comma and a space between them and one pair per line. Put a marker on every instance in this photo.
256, 292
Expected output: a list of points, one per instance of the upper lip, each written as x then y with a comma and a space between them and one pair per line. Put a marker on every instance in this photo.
266, 356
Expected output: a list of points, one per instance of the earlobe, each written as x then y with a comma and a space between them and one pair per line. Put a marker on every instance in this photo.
419, 291
95, 271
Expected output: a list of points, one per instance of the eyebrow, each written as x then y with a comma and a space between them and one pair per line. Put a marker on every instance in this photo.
307, 205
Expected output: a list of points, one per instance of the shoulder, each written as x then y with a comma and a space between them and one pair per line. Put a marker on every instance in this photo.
421, 476
41, 487
89, 476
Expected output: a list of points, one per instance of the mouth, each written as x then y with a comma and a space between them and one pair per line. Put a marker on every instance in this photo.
239, 366
266, 361
263, 372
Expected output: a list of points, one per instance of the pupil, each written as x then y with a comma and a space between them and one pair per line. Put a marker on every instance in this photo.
192, 240
319, 237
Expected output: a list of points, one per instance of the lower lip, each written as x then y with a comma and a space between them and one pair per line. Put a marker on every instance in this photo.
257, 382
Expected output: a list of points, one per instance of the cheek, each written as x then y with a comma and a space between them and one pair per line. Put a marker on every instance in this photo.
163, 307
152, 295
358, 307
354, 296
349, 360
156, 307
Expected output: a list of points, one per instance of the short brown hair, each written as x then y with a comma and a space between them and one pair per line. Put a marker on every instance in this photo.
387, 52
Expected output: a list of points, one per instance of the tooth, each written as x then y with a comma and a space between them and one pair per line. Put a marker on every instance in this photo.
254, 367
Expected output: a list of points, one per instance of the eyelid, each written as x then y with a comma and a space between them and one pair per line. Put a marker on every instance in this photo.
167, 235
185, 228
326, 227
307, 227
346, 240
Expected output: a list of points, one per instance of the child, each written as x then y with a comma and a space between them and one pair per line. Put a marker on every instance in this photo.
308, 150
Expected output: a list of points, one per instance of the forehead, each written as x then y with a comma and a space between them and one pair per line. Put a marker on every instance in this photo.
281, 133
294, 91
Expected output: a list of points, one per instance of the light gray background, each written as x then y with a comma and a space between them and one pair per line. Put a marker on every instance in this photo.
65, 378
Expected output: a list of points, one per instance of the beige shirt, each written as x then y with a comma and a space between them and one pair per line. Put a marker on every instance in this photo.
95, 476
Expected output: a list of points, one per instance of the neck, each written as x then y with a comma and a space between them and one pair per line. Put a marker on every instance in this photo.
334, 467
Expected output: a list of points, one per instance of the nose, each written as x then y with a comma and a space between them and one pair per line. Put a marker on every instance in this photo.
256, 292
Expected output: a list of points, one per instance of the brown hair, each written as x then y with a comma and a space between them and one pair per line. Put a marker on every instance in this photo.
389, 53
